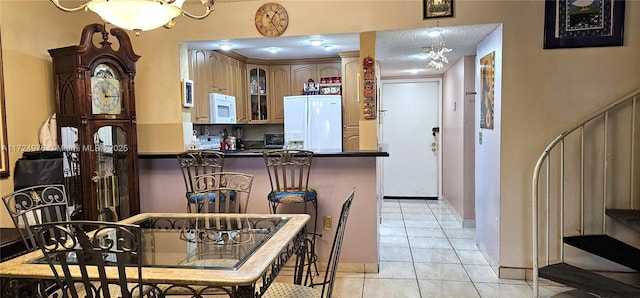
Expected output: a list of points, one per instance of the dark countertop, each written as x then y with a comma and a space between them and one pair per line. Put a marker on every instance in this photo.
258, 153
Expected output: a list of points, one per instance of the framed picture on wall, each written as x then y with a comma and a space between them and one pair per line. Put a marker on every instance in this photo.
437, 8
487, 75
4, 152
583, 23
187, 93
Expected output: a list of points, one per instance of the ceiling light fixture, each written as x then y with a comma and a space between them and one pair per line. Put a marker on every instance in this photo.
316, 42
435, 32
139, 15
225, 46
436, 52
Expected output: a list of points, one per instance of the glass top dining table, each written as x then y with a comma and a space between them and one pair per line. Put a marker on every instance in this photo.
240, 252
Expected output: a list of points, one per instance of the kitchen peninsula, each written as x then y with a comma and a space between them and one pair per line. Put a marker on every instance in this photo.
333, 175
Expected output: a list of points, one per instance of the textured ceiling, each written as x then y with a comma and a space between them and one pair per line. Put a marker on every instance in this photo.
397, 51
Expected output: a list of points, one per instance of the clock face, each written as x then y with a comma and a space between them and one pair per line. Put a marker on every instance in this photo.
271, 19
106, 94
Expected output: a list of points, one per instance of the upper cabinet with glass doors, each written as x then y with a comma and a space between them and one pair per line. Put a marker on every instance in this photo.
258, 95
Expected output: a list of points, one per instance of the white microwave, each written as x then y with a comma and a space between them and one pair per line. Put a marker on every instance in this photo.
222, 108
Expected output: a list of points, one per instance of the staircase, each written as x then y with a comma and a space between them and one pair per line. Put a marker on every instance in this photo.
586, 204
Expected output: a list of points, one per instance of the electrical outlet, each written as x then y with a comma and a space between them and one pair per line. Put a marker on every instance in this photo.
327, 222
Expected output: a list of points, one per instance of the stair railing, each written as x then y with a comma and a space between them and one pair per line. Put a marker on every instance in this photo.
550, 176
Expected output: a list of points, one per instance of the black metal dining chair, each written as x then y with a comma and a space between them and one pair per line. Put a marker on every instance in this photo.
228, 192
198, 162
288, 290
36, 205
85, 256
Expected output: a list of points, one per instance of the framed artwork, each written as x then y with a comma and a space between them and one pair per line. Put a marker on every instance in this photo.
437, 8
187, 93
487, 75
583, 23
4, 152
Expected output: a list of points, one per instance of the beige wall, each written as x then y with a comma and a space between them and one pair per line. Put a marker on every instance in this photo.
458, 131
544, 91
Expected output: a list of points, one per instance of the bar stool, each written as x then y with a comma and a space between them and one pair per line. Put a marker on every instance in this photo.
194, 163
289, 177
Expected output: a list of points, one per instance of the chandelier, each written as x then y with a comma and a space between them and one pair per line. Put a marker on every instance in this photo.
436, 51
139, 15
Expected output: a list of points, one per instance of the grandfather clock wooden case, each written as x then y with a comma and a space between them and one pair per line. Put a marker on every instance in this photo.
96, 119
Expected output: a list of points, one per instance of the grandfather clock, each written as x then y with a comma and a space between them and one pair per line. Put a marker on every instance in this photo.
95, 106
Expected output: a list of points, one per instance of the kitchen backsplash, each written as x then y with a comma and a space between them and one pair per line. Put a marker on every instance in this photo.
252, 133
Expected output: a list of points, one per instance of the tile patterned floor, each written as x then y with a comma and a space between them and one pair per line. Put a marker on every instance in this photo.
425, 252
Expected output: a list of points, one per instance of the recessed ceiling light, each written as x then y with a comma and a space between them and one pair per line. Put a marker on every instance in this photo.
316, 42
225, 46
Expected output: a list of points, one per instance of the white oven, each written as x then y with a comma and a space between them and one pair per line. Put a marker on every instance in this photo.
222, 108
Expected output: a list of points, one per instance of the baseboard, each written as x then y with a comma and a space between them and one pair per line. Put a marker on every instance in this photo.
512, 273
355, 267
409, 198
468, 223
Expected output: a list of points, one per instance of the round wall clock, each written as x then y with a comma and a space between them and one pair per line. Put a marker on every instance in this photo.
271, 19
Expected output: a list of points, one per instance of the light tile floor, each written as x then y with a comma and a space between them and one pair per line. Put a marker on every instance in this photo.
425, 252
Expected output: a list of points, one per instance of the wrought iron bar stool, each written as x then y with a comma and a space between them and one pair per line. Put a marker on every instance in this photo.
195, 163
289, 177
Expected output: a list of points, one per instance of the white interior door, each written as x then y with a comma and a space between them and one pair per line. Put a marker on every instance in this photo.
410, 112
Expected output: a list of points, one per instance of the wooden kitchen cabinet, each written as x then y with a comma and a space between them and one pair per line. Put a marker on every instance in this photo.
220, 65
326, 70
300, 74
238, 76
258, 99
201, 74
351, 139
350, 101
213, 71
279, 87
259, 89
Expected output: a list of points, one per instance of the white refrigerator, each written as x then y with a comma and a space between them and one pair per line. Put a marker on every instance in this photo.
313, 122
